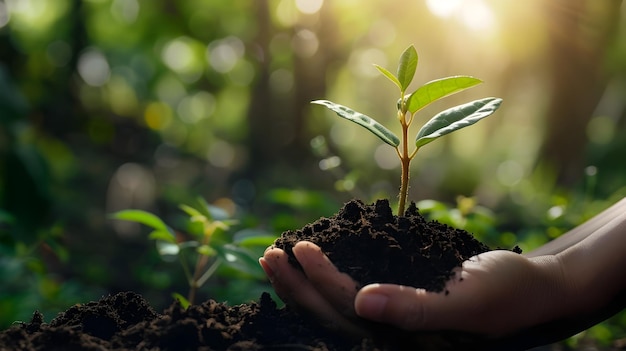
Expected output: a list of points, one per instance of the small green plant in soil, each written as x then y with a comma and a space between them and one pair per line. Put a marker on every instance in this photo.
206, 239
409, 104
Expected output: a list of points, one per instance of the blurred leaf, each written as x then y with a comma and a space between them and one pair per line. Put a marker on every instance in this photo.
240, 259
257, 241
456, 118
212, 212
143, 217
389, 75
161, 235
206, 213
253, 237
206, 250
407, 67
301, 199
431, 205
184, 303
437, 89
194, 214
364, 121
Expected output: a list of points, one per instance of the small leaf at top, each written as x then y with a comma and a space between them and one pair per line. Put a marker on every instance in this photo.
365, 121
389, 75
407, 67
437, 89
456, 118
142, 217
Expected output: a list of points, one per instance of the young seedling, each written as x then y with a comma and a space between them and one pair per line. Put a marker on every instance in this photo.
408, 105
206, 229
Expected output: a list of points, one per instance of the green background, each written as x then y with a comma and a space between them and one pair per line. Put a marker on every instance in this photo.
107, 105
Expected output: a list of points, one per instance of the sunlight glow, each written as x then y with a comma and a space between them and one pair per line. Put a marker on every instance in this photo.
305, 43
125, 10
386, 157
309, 6
32, 15
177, 55
443, 8
183, 55
4, 15
196, 107
223, 54
477, 16
474, 14
93, 67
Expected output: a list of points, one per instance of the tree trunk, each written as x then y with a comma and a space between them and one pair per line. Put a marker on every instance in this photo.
278, 139
579, 38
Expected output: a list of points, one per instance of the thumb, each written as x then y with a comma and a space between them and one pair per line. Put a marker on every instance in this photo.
410, 308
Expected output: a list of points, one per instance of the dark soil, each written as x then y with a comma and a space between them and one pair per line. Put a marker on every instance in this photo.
366, 241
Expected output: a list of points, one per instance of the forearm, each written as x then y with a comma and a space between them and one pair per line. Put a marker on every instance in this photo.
589, 286
596, 266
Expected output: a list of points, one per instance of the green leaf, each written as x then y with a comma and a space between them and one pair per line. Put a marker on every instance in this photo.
206, 250
253, 237
184, 303
204, 212
258, 241
364, 121
161, 235
437, 89
240, 259
389, 75
212, 212
195, 216
142, 217
456, 118
407, 67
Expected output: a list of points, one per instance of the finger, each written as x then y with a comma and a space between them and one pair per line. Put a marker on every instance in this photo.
417, 309
293, 287
286, 280
407, 308
336, 287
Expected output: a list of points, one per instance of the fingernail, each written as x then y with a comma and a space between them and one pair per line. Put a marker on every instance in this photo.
370, 306
304, 252
300, 250
267, 269
271, 247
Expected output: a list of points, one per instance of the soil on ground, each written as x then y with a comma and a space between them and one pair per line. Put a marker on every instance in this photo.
366, 241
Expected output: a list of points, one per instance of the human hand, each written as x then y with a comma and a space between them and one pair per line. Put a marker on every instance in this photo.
493, 294
324, 291
515, 300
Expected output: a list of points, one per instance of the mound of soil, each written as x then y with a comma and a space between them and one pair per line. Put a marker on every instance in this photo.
366, 241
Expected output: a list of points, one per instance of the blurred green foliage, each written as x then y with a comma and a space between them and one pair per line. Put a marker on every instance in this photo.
206, 245
108, 105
